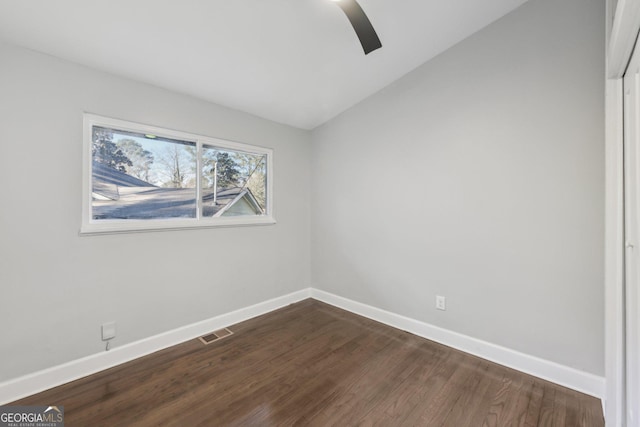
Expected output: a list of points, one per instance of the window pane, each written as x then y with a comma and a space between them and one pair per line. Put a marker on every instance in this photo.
137, 176
233, 182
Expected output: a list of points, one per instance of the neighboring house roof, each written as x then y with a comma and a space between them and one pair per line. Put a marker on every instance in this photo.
106, 182
231, 201
117, 195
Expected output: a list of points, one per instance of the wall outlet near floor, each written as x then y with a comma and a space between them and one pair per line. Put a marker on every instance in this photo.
441, 303
108, 331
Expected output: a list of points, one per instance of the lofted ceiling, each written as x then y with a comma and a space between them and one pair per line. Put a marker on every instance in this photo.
296, 62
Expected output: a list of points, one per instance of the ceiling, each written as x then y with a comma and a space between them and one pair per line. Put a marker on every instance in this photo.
296, 62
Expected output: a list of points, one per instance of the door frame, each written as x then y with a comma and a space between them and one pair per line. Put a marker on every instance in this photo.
622, 27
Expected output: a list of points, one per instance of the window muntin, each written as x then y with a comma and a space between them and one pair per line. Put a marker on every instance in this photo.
139, 177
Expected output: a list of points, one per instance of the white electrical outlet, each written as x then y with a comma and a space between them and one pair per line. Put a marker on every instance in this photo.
441, 303
108, 331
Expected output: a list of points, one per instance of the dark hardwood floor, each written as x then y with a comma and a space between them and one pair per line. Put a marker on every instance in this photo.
313, 364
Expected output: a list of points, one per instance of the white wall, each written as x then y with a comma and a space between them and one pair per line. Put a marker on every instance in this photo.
56, 287
478, 176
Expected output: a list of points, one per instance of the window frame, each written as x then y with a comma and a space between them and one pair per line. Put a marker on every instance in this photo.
92, 226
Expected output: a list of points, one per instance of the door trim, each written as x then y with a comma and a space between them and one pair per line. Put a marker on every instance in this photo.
622, 27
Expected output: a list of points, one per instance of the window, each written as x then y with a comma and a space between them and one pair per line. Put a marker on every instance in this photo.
139, 177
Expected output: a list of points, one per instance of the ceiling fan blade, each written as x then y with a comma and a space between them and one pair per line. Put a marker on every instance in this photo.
361, 24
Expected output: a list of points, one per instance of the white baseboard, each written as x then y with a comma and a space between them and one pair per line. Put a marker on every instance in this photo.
42, 380
559, 374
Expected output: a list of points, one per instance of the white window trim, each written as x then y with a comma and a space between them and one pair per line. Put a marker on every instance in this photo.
90, 226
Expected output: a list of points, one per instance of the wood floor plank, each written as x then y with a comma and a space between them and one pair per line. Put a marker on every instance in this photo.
535, 404
479, 402
311, 364
510, 401
409, 392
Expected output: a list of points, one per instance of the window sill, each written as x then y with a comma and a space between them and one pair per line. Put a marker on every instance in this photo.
141, 226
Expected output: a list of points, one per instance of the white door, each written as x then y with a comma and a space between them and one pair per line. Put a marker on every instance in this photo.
632, 241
